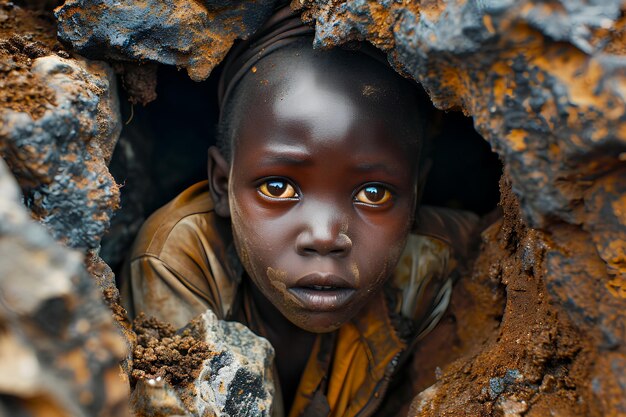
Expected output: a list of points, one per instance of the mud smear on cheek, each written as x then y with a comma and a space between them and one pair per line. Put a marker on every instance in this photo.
355, 272
241, 239
276, 278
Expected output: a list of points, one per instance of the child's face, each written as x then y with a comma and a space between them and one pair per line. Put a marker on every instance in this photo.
322, 192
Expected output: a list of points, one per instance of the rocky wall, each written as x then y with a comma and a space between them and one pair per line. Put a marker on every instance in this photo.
62, 352
537, 328
60, 348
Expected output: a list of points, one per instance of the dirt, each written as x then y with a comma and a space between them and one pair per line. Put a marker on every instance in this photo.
525, 359
139, 81
19, 89
163, 352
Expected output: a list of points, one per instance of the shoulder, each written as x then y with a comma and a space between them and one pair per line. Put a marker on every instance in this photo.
424, 275
180, 258
177, 221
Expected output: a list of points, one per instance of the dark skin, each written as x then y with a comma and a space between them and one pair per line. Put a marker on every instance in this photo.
320, 189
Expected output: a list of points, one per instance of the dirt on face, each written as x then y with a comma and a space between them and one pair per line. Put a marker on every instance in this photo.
24, 36
162, 352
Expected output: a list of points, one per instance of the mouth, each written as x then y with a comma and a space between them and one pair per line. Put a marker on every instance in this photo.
323, 292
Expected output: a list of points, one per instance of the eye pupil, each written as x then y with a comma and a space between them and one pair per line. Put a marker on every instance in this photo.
374, 193
276, 188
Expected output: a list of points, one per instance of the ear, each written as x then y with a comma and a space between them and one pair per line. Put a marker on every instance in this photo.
219, 171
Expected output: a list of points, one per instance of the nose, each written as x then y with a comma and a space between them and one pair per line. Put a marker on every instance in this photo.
323, 235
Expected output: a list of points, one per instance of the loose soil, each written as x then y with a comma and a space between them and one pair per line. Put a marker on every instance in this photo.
24, 36
139, 81
528, 359
162, 352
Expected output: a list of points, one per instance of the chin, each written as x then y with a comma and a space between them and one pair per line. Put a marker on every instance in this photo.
308, 322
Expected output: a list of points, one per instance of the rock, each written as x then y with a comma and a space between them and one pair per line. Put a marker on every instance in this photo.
209, 368
59, 346
60, 157
189, 34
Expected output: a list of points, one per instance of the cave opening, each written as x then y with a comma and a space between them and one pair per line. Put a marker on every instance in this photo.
163, 150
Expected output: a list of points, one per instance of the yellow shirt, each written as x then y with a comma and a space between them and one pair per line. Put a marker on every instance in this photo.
183, 262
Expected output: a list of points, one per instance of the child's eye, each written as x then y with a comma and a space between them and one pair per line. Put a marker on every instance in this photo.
373, 194
278, 189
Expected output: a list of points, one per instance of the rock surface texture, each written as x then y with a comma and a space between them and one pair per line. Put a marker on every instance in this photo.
58, 127
536, 329
59, 347
195, 35
209, 368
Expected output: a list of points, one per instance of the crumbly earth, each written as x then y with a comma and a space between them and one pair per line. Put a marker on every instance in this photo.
162, 352
523, 357
139, 81
19, 89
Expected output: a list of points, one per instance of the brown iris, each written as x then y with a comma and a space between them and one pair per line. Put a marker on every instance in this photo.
277, 189
373, 194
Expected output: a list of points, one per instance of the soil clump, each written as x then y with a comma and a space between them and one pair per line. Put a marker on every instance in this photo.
162, 352
24, 36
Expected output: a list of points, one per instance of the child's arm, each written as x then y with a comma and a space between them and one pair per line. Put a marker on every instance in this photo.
153, 287
179, 265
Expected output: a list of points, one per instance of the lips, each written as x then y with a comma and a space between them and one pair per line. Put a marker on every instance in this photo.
323, 292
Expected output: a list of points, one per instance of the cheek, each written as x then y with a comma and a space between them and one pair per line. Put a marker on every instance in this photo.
243, 235
381, 247
256, 237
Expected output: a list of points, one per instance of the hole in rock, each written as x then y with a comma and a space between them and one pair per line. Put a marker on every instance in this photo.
163, 150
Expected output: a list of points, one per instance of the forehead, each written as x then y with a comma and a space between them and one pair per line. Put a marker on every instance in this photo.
328, 95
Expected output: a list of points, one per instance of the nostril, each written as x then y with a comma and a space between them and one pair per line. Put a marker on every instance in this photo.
309, 244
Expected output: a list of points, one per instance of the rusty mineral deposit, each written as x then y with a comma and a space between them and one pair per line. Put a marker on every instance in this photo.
189, 34
536, 327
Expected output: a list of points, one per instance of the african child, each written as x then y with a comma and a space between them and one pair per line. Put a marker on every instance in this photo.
306, 228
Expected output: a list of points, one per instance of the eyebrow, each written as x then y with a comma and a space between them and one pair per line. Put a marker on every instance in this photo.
287, 155
373, 167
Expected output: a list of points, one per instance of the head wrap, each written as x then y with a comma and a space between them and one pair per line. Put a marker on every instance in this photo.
283, 28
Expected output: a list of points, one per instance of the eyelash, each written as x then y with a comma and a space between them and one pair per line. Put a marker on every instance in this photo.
262, 189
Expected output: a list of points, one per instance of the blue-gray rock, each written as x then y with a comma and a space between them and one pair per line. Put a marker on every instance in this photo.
60, 158
195, 35
236, 380
60, 348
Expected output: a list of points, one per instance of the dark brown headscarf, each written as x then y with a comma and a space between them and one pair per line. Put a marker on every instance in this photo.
283, 28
